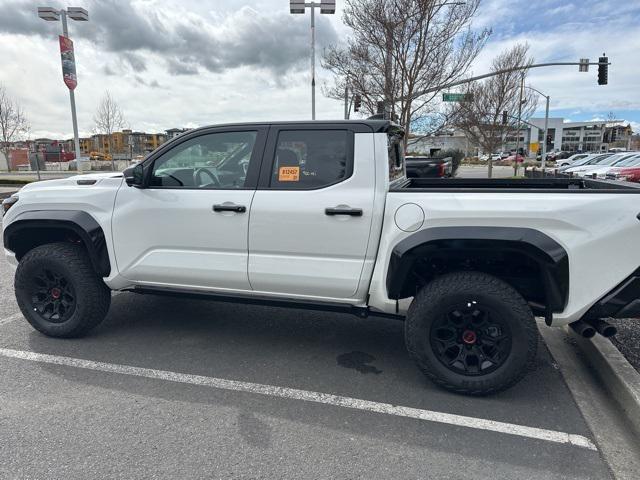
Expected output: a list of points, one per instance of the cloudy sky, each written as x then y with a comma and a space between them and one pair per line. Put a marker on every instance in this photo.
186, 63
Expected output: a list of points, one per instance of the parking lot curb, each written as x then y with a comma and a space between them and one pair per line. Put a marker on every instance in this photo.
618, 376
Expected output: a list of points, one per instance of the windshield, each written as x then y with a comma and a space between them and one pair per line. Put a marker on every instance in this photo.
629, 161
584, 161
596, 160
616, 159
610, 160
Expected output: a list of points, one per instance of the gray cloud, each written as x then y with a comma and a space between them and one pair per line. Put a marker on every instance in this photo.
135, 61
181, 68
107, 70
153, 83
188, 42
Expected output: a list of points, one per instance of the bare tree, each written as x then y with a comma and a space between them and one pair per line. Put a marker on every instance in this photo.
13, 123
481, 117
400, 48
109, 119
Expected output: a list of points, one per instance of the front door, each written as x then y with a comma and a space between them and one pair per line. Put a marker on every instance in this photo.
311, 216
188, 227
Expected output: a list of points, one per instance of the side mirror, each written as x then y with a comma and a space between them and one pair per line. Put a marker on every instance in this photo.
134, 176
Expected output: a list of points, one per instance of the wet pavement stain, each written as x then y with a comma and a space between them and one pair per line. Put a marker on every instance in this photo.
358, 361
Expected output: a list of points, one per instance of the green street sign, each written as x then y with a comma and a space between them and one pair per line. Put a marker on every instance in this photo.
456, 97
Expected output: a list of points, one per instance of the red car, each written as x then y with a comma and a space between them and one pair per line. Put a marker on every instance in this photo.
511, 158
631, 174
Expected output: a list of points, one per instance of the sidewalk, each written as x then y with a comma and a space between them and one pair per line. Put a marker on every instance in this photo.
7, 191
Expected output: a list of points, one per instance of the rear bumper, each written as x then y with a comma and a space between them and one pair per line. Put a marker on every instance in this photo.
621, 302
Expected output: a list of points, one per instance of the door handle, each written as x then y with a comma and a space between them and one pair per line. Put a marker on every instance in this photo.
229, 208
352, 212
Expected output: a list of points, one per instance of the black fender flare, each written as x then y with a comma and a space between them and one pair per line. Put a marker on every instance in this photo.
545, 251
81, 223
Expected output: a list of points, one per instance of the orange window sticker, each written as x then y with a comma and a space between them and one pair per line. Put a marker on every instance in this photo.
289, 174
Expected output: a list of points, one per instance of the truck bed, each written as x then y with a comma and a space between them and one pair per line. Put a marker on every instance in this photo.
551, 185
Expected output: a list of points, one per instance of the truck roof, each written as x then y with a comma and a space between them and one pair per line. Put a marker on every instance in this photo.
377, 126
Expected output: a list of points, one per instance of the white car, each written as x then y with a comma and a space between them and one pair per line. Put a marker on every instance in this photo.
601, 165
321, 215
592, 157
568, 161
494, 157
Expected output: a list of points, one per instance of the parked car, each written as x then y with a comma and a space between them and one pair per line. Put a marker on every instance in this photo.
429, 167
633, 161
569, 160
600, 165
630, 159
512, 158
630, 174
323, 217
493, 156
584, 161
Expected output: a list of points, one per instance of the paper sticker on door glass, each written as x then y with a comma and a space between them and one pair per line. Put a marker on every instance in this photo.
289, 174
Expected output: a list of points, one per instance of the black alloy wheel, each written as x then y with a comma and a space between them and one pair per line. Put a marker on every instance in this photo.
471, 339
53, 296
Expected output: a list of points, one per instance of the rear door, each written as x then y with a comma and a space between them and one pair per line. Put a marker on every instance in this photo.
311, 215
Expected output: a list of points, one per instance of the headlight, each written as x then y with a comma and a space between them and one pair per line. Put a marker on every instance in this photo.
7, 203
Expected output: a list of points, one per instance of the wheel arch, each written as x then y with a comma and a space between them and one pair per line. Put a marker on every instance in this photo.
34, 228
540, 252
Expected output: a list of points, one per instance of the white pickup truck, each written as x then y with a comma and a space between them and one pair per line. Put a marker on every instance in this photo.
320, 215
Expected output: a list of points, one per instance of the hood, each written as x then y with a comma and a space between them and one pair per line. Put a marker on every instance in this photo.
85, 180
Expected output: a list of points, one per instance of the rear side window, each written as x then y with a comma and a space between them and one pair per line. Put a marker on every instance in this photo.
396, 154
311, 159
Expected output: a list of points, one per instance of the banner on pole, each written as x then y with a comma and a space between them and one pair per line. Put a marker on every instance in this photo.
68, 63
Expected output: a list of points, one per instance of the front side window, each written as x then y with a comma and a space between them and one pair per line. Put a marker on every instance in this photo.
215, 160
310, 159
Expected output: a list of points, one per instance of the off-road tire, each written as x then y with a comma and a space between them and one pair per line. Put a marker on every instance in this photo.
91, 296
433, 300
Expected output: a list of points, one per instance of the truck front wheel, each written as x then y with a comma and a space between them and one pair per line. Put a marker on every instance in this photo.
58, 291
471, 333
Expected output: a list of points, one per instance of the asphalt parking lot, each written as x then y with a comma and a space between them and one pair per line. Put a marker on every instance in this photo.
146, 397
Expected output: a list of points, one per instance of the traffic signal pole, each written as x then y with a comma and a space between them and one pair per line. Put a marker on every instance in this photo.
497, 72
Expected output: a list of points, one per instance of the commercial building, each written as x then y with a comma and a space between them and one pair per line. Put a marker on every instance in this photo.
444, 140
594, 136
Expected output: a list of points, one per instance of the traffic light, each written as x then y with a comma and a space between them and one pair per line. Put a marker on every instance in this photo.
603, 71
504, 117
357, 103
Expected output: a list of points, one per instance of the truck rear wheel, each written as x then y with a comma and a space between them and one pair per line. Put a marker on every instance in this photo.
471, 333
58, 291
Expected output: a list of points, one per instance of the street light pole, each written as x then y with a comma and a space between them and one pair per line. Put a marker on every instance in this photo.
72, 98
546, 129
78, 14
546, 125
313, 61
299, 7
519, 123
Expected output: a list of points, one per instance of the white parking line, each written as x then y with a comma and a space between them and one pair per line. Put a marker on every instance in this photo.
11, 318
309, 396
